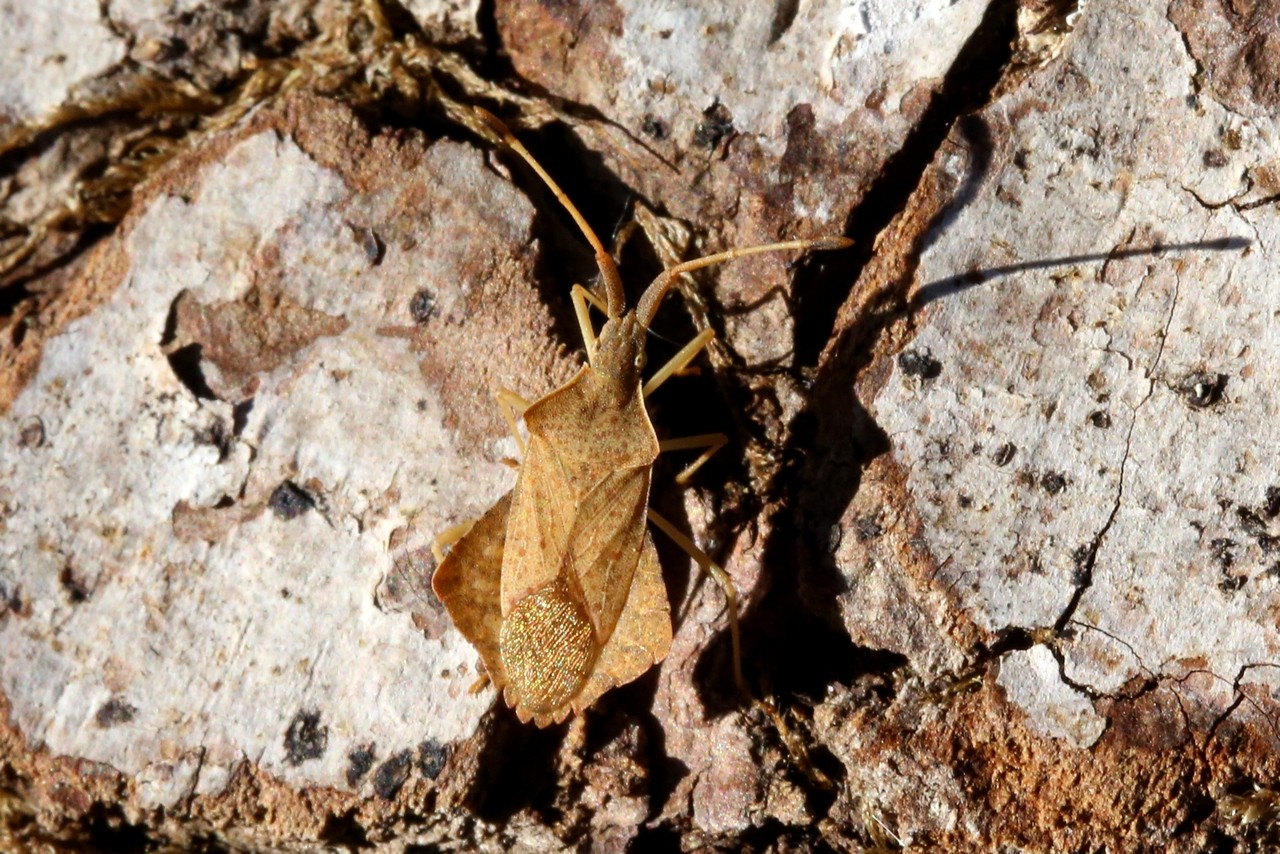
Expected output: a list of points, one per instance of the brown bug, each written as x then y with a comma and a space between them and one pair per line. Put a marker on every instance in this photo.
558, 585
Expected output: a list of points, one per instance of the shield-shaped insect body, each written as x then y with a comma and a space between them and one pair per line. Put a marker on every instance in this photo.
558, 585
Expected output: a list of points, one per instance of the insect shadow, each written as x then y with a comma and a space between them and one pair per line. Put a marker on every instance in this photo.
951, 285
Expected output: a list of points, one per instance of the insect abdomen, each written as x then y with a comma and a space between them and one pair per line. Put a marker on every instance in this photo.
548, 648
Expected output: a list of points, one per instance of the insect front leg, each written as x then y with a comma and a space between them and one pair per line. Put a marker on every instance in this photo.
722, 578
513, 407
580, 297
679, 361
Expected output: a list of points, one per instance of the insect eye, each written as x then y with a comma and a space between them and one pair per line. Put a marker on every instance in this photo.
640, 359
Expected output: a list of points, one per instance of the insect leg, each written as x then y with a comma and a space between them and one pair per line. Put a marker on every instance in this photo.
679, 361
712, 442
581, 296
512, 407
448, 537
722, 578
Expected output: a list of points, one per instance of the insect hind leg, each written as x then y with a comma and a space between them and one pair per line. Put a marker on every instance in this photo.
711, 442
446, 538
721, 578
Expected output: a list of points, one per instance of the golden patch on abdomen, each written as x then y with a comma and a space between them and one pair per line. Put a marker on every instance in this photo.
548, 647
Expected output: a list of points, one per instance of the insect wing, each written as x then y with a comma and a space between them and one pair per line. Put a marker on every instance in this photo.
538, 530
580, 436
605, 545
642, 636
467, 582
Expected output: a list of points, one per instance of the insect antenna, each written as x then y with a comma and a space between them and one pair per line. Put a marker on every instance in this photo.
652, 297
608, 270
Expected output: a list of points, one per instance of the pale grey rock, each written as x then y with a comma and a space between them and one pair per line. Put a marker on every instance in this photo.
446, 20
1080, 312
222, 644
1031, 679
48, 49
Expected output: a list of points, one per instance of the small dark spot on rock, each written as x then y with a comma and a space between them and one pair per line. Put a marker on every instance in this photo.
240, 415
1224, 551
1201, 390
11, 602
1003, 455
1274, 570
965, 501
391, 775
1100, 419
74, 584
343, 831
31, 436
289, 501
185, 364
868, 528
1271, 506
716, 124
1250, 522
217, 436
919, 363
285, 593
422, 307
654, 127
1037, 565
1052, 482
226, 502
114, 711
1231, 583
305, 738
1026, 477
1269, 544
374, 249
1214, 158
431, 758
360, 760
1082, 565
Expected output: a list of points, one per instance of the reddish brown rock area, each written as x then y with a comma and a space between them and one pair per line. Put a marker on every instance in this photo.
999, 501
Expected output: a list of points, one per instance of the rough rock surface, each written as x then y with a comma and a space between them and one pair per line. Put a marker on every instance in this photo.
1000, 500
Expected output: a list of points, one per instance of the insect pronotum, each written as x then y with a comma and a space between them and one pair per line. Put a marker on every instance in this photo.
558, 585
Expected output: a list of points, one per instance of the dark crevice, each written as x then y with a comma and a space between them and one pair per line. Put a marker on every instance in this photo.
185, 362
966, 87
491, 61
794, 635
16, 290
784, 15
516, 770
1089, 556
